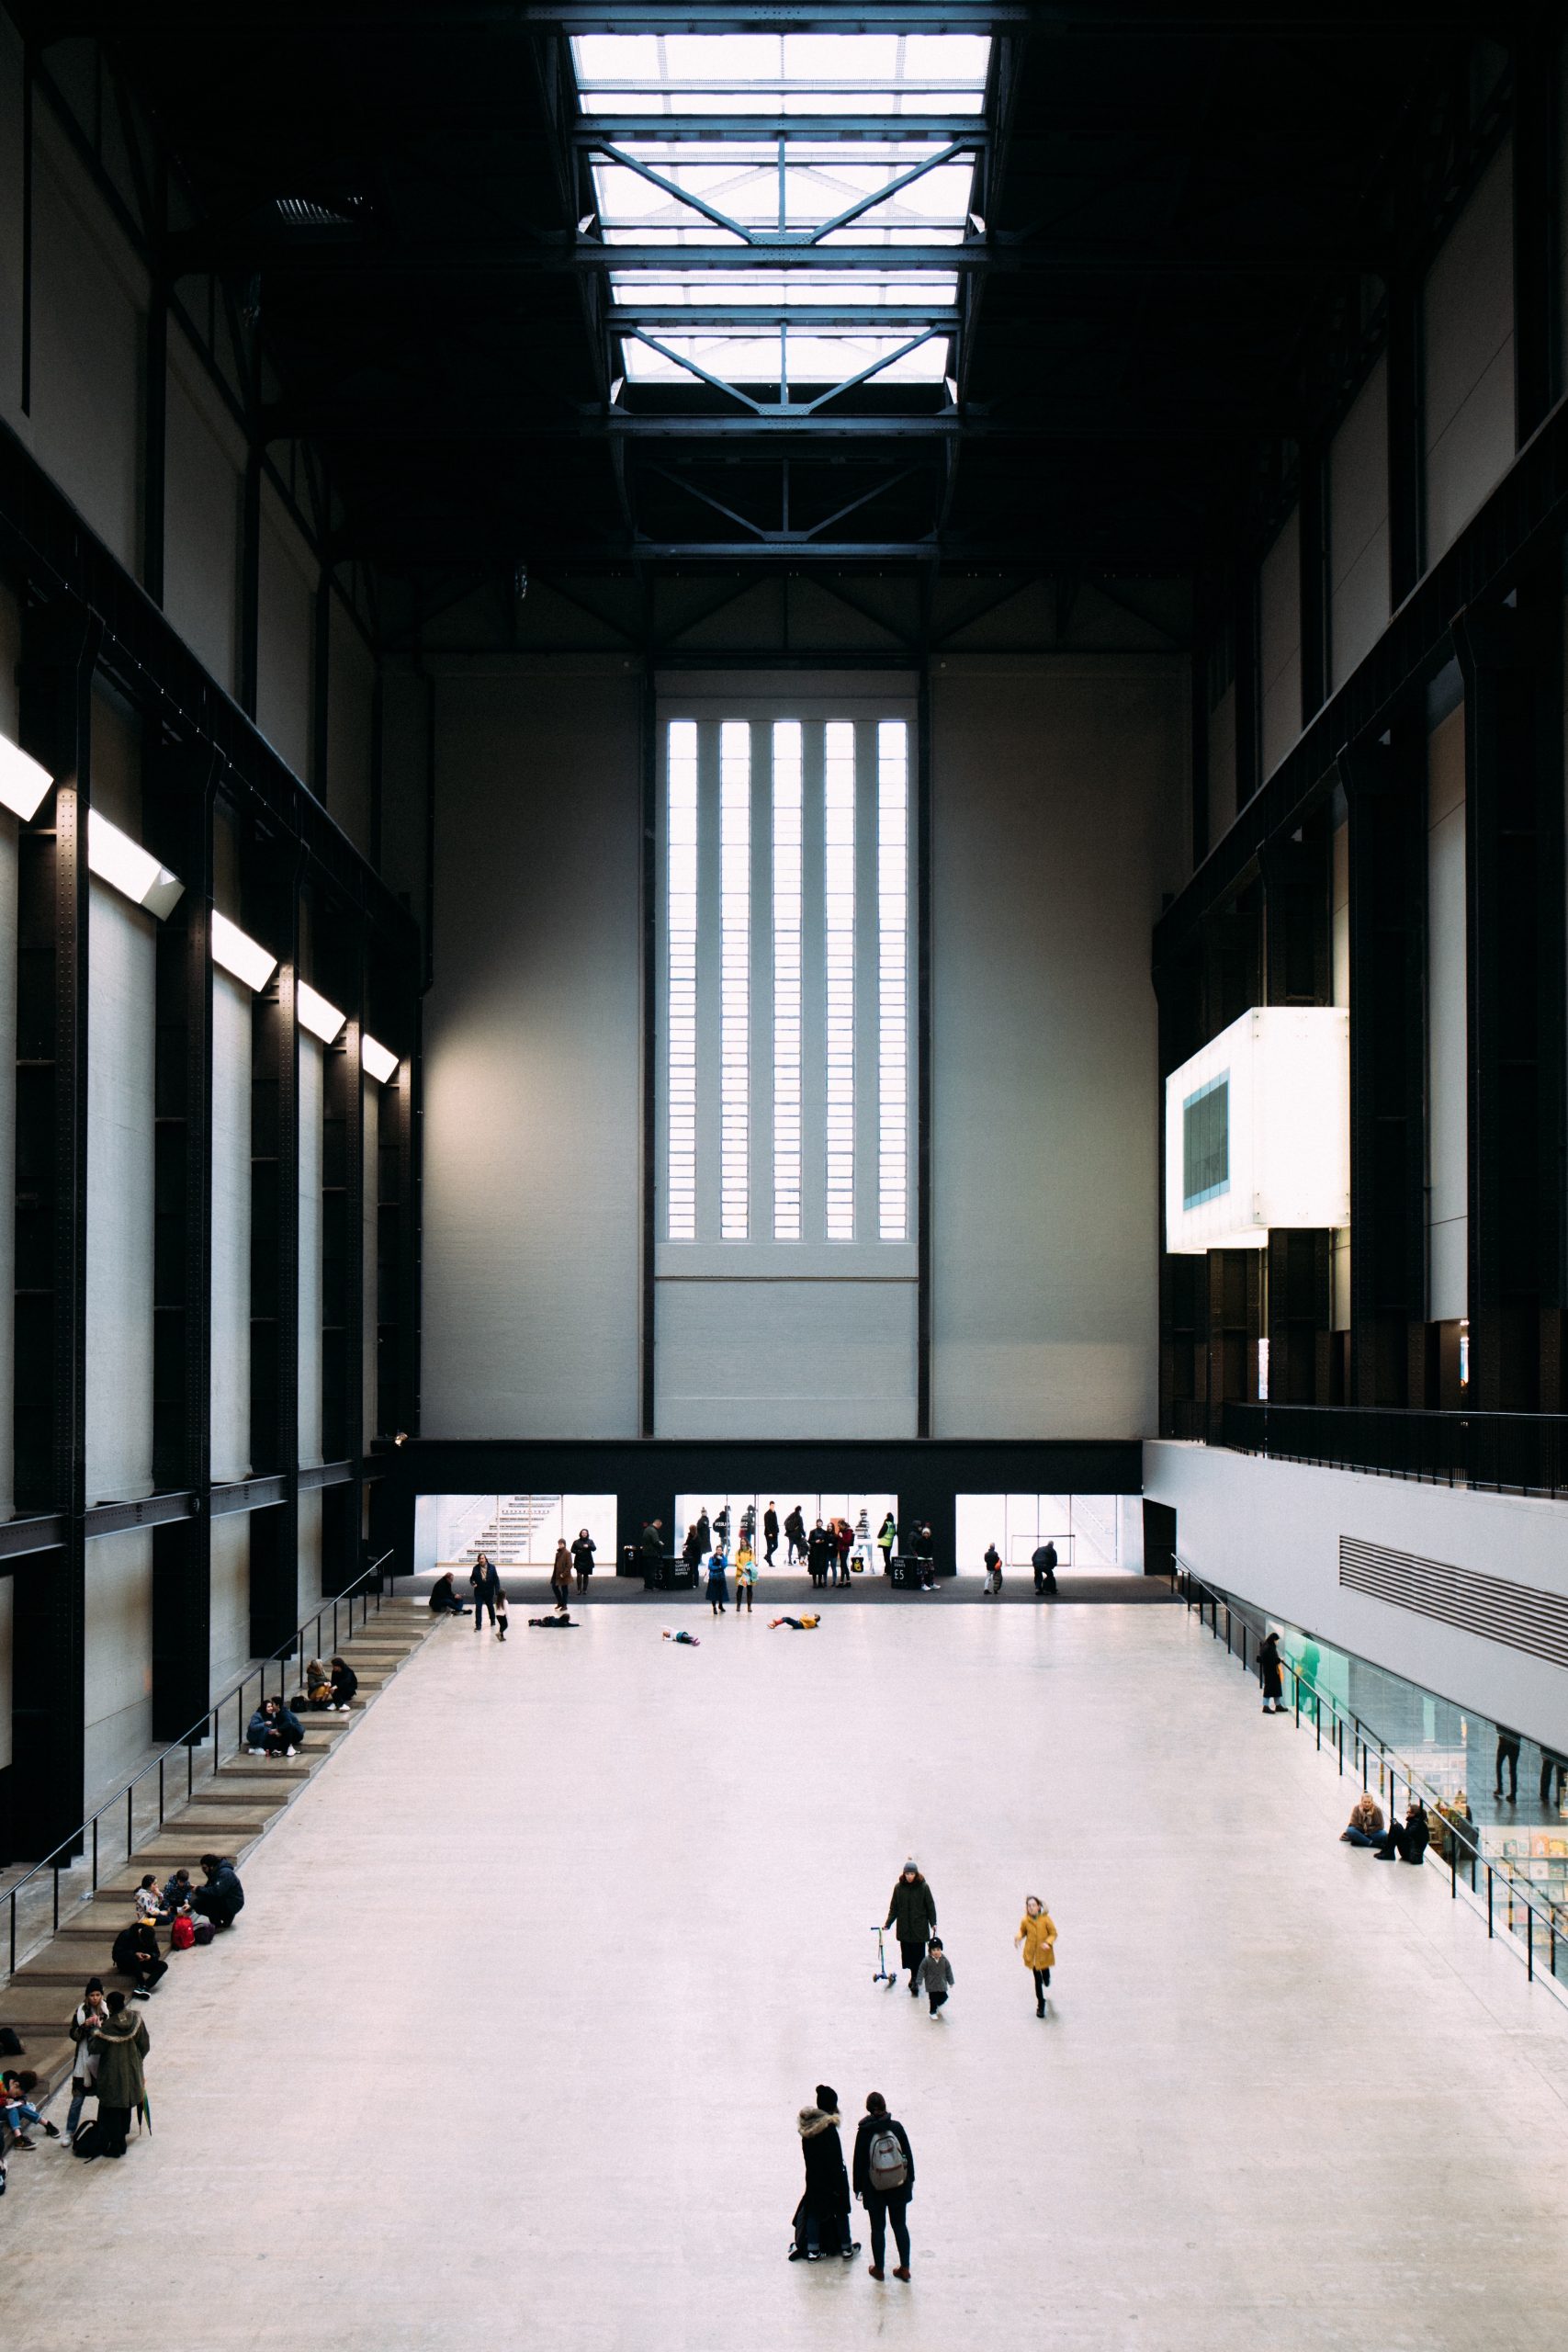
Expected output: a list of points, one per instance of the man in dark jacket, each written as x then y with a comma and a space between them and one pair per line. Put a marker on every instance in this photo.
818, 1549
222, 1898
136, 1955
1045, 1566
345, 1683
487, 1589
912, 1917
653, 1555
795, 1529
1407, 1843
884, 2179
824, 2209
770, 1534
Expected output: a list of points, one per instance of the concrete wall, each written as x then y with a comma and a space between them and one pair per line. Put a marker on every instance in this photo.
312, 1134
533, 1135
205, 468
229, 1646
1448, 1113
1060, 810
121, 949
1468, 352
1269, 1530
285, 637
1279, 642
1221, 765
1358, 528
118, 1628
9, 649
350, 677
231, 1025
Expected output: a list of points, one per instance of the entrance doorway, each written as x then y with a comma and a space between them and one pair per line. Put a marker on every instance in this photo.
826, 1506
516, 1530
1098, 1531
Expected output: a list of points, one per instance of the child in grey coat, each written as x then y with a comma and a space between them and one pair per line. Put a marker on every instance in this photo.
936, 1975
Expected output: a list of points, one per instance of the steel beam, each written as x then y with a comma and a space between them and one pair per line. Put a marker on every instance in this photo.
1214, 428
703, 317
598, 130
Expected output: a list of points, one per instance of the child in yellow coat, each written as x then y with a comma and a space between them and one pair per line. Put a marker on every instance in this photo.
1037, 1934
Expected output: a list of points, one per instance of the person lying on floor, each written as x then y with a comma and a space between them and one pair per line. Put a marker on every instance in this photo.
690, 1639
558, 1618
795, 1624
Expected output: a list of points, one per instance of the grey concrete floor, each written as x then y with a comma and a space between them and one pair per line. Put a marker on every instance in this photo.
508, 2046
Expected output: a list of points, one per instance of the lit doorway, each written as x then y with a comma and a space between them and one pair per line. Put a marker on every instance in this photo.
812, 1506
515, 1530
1093, 1532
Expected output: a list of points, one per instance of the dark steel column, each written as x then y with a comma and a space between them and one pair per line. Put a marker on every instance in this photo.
271, 915
1406, 463
1537, 259
1512, 666
1248, 693
182, 783
922, 835
342, 1252
1385, 787
60, 642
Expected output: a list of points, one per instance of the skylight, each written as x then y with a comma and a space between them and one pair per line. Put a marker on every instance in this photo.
703, 148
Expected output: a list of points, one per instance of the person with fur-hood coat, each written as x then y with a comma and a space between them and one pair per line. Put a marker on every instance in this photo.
823, 2211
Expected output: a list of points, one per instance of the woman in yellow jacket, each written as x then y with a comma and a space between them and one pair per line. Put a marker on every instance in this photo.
1037, 1934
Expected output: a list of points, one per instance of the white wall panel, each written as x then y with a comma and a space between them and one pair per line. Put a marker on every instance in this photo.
205, 464
1269, 1530
350, 677
1358, 528
1448, 1117
1279, 642
312, 1140
10, 640
783, 1359
533, 1072
1059, 804
309, 1550
119, 1436
232, 1017
229, 1646
89, 305
285, 637
118, 1644
1468, 345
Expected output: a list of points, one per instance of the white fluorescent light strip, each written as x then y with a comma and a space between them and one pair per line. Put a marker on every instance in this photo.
114, 858
22, 782
238, 953
375, 1060
321, 1019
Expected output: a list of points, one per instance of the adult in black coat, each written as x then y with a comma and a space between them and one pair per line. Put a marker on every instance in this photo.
818, 1546
911, 1914
345, 1683
222, 1898
653, 1555
770, 1534
705, 1534
487, 1589
885, 2200
1271, 1673
136, 1955
1045, 1566
823, 2212
795, 1529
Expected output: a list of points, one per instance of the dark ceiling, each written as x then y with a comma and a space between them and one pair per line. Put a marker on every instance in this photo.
1189, 223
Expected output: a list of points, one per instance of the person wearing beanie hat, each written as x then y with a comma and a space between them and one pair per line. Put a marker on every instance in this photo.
911, 1914
824, 2207
84, 2023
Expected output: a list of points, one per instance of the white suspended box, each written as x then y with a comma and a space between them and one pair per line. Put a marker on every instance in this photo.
1258, 1130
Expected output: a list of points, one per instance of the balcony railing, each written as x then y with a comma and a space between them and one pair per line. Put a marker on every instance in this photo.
1524, 1453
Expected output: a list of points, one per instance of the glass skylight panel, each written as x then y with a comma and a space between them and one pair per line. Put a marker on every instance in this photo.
838, 911
681, 920
782, 74
806, 359
787, 910
735, 978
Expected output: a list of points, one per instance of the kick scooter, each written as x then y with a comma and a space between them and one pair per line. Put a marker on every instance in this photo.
881, 1974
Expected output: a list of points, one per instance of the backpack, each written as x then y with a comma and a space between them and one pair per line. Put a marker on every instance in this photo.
201, 1933
10, 2042
182, 1935
88, 2141
887, 2170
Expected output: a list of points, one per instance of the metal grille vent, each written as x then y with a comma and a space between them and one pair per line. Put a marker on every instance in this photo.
1522, 1616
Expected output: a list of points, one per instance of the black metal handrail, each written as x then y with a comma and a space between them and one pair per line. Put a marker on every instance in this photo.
82, 1847
1543, 1921
1508, 1453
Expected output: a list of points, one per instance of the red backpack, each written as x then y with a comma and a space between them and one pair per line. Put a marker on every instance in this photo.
182, 1935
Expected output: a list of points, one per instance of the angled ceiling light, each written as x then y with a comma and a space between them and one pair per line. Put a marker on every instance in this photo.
238, 953
375, 1060
951, 386
321, 1019
114, 858
22, 782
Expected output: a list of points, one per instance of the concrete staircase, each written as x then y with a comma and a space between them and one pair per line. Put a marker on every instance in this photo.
238, 1804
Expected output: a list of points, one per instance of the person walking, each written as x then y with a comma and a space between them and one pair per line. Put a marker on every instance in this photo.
886, 1538
936, 1976
911, 1914
487, 1589
583, 1559
1271, 1673
823, 2211
993, 1569
1043, 1563
1507, 1760
653, 1555
120, 2044
770, 1534
703, 1534
719, 1591
560, 1575
1037, 1934
883, 2177
795, 1529
87, 2018
1550, 1763
745, 1577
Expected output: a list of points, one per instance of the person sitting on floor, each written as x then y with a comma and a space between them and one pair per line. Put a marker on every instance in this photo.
1408, 1844
222, 1898
444, 1598
177, 1893
1365, 1826
136, 1955
17, 2109
345, 1683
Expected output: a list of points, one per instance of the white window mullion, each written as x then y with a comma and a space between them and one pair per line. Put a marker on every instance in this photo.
735, 979
838, 904
787, 848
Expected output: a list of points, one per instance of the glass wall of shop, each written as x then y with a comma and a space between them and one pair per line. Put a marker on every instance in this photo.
1093, 1532
515, 1530
750, 1510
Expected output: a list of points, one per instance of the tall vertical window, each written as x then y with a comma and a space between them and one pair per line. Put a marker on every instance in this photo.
838, 967
893, 978
735, 978
680, 911
787, 780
